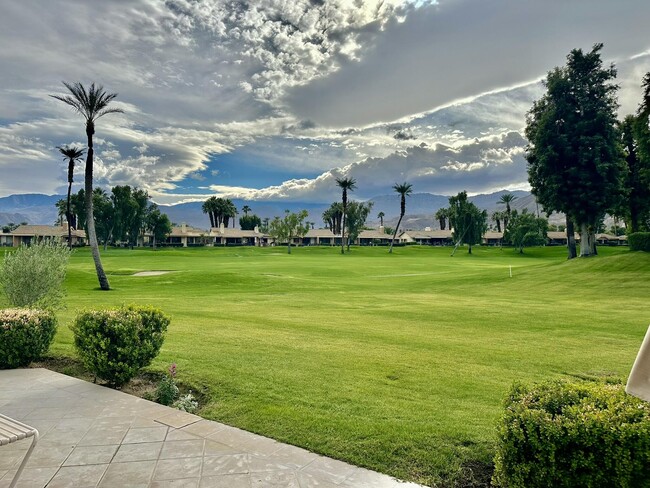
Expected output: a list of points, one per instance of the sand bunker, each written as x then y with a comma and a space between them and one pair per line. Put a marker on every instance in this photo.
150, 273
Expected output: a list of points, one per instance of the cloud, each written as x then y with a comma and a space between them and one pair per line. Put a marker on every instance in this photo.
455, 49
479, 165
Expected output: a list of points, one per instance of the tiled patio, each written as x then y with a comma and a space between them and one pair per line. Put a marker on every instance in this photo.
93, 436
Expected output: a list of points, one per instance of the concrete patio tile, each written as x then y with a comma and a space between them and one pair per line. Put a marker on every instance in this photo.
275, 479
146, 451
204, 428
307, 480
113, 422
9, 459
180, 435
133, 474
329, 470
102, 436
372, 479
181, 449
78, 476
47, 413
145, 434
171, 469
30, 478
144, 422
265, 463
226, 464
45, 456
178, 419
213, 448
294, 457
183, 483
226, 481
82, 455
258, 444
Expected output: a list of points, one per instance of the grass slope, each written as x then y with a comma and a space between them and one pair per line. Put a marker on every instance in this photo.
398, 362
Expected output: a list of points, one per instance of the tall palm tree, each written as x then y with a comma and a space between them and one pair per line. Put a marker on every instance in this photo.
381, 216
506, 199
404, 189
246, 209
91, 104
72, 154
346, 184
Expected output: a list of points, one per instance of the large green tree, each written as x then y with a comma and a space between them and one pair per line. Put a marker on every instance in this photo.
346, 185
292, 225
635, 208
357, 215
91, 103
249, 222
158, 224
525, 229
469, 223
72, 154
403, 190
574, 156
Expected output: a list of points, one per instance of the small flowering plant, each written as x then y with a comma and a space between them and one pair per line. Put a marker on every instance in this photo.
167, 392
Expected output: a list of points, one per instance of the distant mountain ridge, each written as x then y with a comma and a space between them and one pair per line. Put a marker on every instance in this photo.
420, 208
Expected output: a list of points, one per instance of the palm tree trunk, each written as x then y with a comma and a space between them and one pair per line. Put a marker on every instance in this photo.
90, 219
67, 216
395, 233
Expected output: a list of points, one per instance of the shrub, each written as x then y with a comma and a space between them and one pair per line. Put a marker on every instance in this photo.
115, 343
565, 434
33, 275
639, 241
24, 335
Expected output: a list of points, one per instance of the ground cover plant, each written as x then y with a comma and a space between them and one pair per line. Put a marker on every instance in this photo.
396, 362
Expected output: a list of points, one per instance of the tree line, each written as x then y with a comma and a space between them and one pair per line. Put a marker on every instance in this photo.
123, 216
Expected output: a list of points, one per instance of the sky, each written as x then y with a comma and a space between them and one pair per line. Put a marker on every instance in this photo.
274, 100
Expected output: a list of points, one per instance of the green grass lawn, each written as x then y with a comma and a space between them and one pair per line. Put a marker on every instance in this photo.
398, 362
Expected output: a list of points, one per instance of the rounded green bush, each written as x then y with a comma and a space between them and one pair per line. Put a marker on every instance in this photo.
639, 241
565, 434
115, 344
25, 335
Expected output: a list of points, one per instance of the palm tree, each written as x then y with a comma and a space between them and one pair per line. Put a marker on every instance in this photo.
498, 217
506, 199
441, 216
72, 154
404, 189
381, 216
207, 208
91, 104
246, 209
346, 184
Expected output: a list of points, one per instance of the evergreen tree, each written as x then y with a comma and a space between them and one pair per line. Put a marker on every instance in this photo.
574, 156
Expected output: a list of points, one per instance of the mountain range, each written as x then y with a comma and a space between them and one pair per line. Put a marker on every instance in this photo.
420, 209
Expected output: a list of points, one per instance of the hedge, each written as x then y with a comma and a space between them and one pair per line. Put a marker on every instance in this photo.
115, 344
639, 241
584, 434
25, 335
